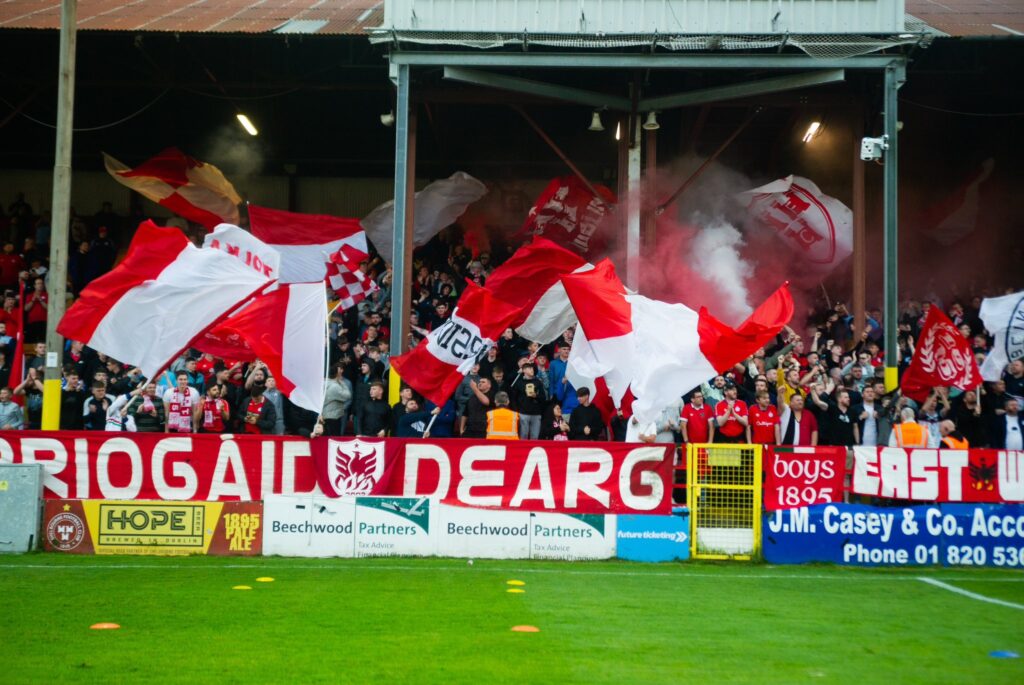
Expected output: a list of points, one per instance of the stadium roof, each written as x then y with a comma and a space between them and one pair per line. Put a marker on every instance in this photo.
339, 17
971, 17
353, 17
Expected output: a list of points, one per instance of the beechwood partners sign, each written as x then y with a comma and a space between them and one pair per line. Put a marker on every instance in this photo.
564, 477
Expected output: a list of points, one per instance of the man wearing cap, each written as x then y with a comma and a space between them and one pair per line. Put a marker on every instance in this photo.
730, 417
502, 422
530, 398
585, 422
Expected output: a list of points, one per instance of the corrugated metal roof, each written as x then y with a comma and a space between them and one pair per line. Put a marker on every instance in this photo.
971, 17
201, 16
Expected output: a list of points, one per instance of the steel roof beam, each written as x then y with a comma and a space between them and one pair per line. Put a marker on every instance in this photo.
591, 60
529, 87
735, 91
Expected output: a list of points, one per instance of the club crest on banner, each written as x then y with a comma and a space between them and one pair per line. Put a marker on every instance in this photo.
942, 354
65, 531
354, 467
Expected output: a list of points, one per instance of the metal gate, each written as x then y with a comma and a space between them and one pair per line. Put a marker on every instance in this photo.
723, 485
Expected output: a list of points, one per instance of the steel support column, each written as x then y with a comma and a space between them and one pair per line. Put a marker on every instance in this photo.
60, 212
859, 243
895, 75
633, 205
405, 182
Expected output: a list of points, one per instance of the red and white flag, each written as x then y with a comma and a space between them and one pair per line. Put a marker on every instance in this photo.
304, 239
346, 278
815, 226
163, 295
439, 363
568, 213
657, 350
242, 245
195, 190
285, 329
530, 279
943, 357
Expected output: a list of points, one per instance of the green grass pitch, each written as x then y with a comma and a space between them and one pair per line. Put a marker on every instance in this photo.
444, 621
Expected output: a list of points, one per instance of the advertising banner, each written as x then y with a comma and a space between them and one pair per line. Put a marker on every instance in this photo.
654, 538
308, 526
142, 527
861, 535
316, 526
572, 536
394, 526
798, 476
563, 477
933, 475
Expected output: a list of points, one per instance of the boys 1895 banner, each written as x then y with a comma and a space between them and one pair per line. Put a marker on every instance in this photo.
566, 477
932, 475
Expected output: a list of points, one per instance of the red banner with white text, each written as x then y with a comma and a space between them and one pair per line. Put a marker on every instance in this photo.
933, 475
566, 477
800, 476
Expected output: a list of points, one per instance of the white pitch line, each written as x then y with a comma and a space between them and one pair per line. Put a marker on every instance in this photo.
844, 577
972, 595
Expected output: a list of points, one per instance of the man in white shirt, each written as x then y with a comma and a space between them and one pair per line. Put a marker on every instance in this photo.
179, 403
1010, 431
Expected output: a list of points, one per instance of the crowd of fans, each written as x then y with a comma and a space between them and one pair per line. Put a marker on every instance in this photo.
821, 386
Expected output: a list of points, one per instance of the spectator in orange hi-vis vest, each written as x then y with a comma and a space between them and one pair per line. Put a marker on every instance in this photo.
908, 432
951, 437
502, 422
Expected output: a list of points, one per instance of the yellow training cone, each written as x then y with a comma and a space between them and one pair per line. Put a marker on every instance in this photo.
515, 582
265, 579
241, 587
525, 629
516, 590
104, 626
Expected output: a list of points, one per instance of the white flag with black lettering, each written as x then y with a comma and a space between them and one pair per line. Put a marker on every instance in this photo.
1004, 319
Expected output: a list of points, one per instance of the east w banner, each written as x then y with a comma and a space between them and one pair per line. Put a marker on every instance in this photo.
800, 476
933, 475
564, 477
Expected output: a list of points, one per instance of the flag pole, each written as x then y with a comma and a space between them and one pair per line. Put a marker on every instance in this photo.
60, 212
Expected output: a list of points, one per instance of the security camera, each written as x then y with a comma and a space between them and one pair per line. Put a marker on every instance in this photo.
871, 149
388, 118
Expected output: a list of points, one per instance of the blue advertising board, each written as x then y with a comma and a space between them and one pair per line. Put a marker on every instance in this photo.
862, 535
653, 538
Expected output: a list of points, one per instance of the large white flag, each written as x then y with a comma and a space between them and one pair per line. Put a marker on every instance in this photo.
437, 206
812, 224
160, 298
1004, 319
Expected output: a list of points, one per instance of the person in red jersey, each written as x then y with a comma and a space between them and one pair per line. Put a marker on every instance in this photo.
764, 421
695, 419
731, 417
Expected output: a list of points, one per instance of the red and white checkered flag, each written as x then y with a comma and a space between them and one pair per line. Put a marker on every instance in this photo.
346, 278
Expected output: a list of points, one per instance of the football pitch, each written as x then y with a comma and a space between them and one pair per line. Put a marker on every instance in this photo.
448, 621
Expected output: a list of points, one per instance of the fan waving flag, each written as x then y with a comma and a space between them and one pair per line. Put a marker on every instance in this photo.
943, 357
530, 280
1004, 319
304, 239
438, 364
163, 295
285, 330
195, 190
346, 278
659, 351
